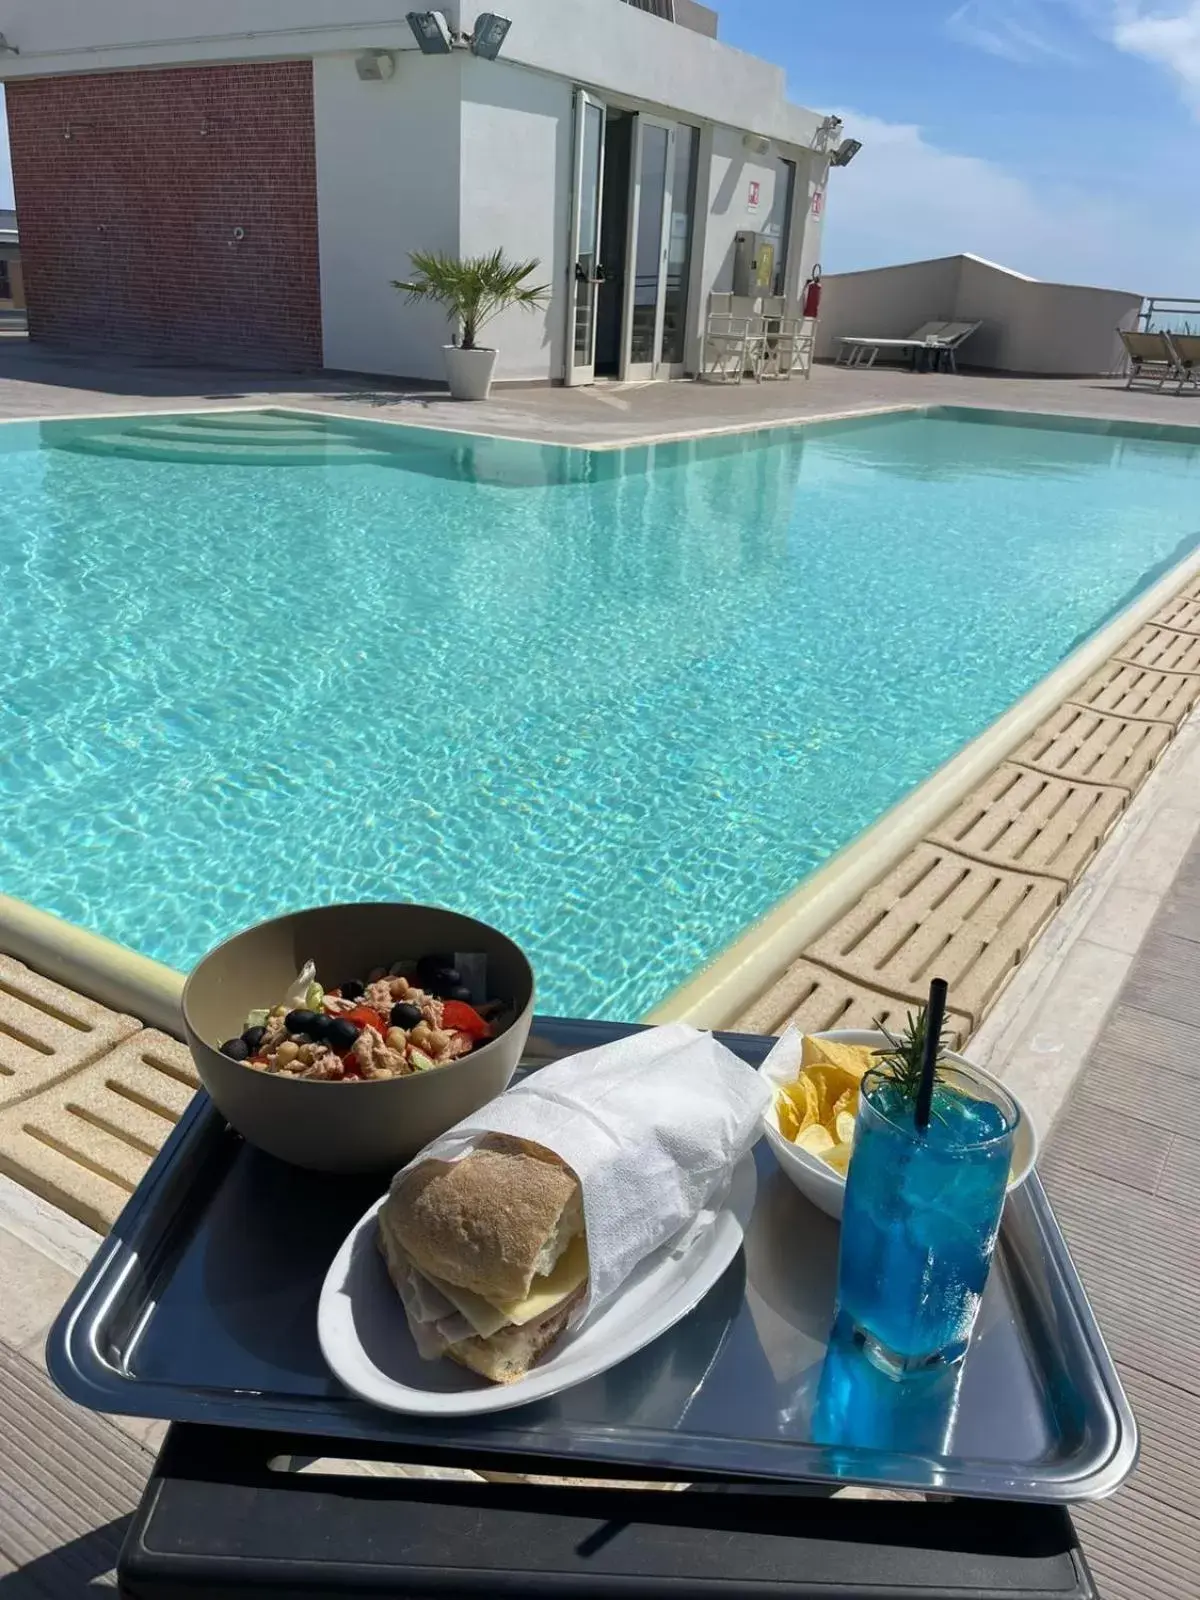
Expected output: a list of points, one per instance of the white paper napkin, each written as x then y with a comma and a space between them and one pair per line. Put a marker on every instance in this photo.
652, 1125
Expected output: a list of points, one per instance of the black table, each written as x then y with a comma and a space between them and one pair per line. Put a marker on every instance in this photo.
217, 1519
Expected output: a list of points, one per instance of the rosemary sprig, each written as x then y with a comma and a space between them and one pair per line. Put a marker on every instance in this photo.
903, 1055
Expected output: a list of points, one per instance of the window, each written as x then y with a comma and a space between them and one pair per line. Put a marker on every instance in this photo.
779, 224
5, 282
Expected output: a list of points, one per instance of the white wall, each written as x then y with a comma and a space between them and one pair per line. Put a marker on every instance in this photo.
1043, 327
1027, 325
517, 128
387, 183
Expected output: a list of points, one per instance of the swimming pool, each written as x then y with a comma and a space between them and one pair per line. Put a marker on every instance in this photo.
618, 703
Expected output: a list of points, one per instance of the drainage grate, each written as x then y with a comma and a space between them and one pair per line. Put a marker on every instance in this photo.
47, 1032
1031, 822
1093, 747
1162, 649
86, 1143
814, 1000
939, 914
1139, 693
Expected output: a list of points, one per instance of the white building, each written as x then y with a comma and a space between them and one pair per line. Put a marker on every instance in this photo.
177, 196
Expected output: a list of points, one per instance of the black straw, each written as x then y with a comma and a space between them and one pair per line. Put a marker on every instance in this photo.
935, 1016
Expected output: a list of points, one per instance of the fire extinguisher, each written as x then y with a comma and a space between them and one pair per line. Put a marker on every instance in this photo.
812, 295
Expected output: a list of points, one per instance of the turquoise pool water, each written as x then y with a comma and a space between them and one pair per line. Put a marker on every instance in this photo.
618, 704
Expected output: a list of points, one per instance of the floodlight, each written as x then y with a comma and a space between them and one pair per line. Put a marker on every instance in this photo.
490, 33
845, 152
431, 32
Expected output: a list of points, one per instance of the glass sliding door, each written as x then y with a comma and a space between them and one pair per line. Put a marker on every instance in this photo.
662, 205
682, 210
643, 313
584, 263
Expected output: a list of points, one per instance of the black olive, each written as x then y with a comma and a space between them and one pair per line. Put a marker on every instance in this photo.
405, 1015
342, 1034
236, 1049
353, 990
253, 1037
318, 1029
300, 1022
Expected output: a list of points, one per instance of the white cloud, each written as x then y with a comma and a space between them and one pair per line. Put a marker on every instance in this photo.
904, 199
1171, 42
1023, 31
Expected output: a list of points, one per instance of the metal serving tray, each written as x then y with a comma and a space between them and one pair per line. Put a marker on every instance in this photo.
201, 1307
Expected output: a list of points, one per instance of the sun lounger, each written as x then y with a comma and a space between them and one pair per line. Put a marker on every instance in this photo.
1185, 351
942, 339
1152, 360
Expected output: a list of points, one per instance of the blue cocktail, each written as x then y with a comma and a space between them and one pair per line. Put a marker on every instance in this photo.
921, 1215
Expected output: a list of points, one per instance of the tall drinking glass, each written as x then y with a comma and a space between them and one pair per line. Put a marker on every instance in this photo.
921, 1216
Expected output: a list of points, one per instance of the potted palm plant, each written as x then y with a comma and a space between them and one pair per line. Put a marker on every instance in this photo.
473, 289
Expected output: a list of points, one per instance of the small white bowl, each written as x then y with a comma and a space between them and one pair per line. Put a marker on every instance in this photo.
818, 1182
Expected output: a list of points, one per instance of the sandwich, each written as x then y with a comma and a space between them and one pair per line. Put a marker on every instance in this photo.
488, 1254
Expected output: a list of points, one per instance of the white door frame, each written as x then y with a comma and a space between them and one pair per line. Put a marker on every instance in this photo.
634, 371
582, 279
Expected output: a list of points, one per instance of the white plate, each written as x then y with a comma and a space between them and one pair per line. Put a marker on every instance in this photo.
365, 1339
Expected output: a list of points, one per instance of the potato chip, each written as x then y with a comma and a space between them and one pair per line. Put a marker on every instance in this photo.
831, 1083
789, 1121
838, 1157
805, 1097
843, 1126
816, 1140
846, 1102
853, 1059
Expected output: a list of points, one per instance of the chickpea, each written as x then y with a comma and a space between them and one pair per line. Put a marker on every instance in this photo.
420, 1035
306, 1054
438, 1040
287, 1053
396, 1039
399, 988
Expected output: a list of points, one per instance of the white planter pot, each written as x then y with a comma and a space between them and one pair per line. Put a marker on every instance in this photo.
469, 372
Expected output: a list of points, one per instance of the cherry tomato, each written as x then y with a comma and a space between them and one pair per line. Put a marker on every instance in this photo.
366, 1017
462, 1018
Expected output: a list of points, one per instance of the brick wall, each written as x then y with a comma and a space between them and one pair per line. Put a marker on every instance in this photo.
129, 187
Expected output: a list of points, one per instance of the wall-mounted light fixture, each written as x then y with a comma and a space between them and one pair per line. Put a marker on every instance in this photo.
375, 66
431, 32
487, 40
435, 38
845, 153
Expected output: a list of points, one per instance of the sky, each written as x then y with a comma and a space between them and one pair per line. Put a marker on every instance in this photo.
1059, 137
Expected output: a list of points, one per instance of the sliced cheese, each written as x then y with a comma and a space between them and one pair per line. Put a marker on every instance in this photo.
570, 1271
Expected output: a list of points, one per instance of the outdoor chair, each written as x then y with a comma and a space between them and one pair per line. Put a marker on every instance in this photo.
788, 341
733, 338
1152, 360
1185, 351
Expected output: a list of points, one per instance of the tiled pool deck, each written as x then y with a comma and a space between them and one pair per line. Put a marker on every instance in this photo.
1124, 1161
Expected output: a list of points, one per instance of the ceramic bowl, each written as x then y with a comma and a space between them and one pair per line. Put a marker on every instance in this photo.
348, 1127
826, 1188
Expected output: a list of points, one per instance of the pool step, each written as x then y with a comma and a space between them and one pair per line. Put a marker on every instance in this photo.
217, 452
185, 433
